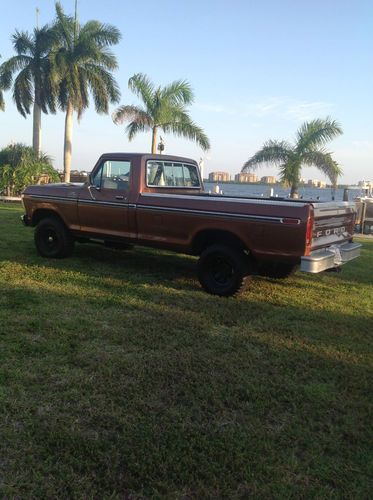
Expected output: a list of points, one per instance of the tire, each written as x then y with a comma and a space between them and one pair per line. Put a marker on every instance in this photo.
52, 239
223, 270
277, 270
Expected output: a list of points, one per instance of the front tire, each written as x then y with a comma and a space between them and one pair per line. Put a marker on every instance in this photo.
52, 239
223, 270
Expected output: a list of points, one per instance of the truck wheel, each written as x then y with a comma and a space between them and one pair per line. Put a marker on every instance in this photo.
223, 270
53, 239
277, 270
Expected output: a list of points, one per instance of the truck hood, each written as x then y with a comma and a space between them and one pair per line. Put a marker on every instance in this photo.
69, 189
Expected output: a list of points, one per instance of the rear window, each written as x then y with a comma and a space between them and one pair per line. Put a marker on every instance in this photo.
171, 174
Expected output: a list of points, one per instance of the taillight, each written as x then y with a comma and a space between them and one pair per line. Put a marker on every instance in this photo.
309, 230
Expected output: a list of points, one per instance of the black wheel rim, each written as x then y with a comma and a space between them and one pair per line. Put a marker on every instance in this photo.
50, 240
221, 271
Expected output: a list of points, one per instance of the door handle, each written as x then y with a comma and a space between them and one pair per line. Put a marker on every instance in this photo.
119, 197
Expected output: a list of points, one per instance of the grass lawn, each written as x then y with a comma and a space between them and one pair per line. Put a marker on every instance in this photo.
120, 378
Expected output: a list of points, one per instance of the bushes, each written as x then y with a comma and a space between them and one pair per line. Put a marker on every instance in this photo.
21, 166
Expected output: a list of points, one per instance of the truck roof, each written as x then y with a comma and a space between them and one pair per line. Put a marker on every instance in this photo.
147, 156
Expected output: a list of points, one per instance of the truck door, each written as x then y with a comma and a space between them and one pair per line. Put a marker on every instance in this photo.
103, 202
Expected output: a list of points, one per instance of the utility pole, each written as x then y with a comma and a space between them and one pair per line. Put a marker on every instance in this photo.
37, 17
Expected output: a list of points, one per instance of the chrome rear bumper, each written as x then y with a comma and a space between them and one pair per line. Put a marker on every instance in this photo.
327, 258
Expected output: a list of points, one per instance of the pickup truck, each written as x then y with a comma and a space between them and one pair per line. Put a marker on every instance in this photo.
159, 201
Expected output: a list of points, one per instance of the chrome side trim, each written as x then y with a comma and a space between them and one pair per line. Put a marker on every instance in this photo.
54, 198
225, 198
202, 213
169, 209
106, 203
82, 201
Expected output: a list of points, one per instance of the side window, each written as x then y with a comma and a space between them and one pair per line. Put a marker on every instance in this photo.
113, 174
171, 174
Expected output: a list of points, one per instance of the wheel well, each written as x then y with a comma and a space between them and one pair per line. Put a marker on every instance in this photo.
43, 213
209, 237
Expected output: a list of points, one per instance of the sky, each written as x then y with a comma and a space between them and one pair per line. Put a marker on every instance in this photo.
258, 68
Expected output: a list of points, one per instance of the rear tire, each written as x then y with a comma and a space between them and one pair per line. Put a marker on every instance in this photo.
223, 270
52, 239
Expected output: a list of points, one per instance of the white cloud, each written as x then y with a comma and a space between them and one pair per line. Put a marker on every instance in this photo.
287, 107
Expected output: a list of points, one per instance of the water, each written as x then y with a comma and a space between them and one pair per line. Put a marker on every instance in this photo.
258, 190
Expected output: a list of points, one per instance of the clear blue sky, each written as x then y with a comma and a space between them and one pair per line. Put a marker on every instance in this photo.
258, 68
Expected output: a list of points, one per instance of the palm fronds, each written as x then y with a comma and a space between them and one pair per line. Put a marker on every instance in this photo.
164, 108
308, 151
277, 152
316, 133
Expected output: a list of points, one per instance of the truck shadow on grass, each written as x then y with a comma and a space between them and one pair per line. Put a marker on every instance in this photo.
182, 391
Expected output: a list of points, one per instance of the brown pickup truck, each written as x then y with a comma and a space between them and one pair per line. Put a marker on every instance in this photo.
159, 201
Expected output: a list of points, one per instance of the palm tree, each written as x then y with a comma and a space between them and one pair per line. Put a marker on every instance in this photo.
308, 150
82, 65
164, 108
32, 85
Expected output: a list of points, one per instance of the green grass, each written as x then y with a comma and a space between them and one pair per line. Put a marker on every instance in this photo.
120, 378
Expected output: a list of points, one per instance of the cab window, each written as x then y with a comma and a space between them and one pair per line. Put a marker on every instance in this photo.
171, 174
113, 174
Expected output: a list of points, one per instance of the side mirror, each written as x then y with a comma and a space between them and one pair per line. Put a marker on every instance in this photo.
91, 185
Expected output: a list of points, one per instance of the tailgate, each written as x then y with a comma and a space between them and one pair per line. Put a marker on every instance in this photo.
334, 223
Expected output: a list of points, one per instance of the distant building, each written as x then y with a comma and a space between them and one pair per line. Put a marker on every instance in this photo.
365, 184
316, 183
219, 176
312, 182
268, 179
367, 187
246, 177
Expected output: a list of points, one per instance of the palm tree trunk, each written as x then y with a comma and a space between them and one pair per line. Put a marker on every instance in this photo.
154, 141
294, 191
36, 132
67, 148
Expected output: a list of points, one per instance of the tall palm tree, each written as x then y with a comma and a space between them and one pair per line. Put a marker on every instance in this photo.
164, 108
308, 150
82, 65
32, 84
